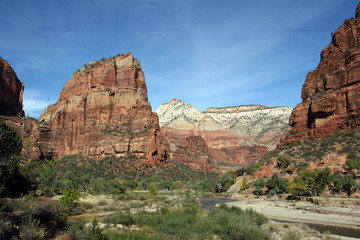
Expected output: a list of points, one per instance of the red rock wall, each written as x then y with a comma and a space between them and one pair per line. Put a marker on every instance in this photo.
11, 91
104, 110
194, 153
221, 146
331, 93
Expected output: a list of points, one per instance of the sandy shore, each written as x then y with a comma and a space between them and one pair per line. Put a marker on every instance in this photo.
330, 212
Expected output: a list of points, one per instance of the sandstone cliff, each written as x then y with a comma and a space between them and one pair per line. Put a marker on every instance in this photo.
331, 93
11, 91
235, 136
104, 110
36, 137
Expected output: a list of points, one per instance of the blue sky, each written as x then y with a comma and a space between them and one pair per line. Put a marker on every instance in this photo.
208, 53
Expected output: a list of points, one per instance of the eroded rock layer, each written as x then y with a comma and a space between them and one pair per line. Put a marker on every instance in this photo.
331, 93
11, 91
235, 136
104, 110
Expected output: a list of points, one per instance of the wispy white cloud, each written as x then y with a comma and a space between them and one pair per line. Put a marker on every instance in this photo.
212, 53
35, 102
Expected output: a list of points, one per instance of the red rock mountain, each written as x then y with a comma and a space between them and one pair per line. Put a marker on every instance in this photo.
234, 136
331, 93
104, 110
11, 91
36, 137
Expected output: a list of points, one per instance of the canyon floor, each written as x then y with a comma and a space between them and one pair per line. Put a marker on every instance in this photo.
334, 214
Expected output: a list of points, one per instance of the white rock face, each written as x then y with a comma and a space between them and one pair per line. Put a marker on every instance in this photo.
256, 124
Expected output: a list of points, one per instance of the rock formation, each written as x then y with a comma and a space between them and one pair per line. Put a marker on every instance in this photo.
331, 93
36, 137
235, 136
104, 110
11, 91
194, 152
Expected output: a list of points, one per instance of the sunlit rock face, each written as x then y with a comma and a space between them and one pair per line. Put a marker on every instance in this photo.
235, 136
104, 110
36, 137
331, 93
11, 91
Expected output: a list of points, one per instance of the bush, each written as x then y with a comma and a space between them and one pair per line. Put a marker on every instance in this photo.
276, 185
153, 191
259, 184
95, 233
245, 185
283, 161
192, 222
69, 201
310, 182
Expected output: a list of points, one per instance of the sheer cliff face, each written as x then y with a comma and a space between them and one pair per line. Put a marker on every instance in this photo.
36, 137
104, 110
331, 93
11, 91
235, 136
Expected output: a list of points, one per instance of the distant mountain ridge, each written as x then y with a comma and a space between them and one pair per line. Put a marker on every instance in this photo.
235, 136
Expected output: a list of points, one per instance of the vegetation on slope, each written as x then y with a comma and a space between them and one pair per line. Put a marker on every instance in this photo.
300, 168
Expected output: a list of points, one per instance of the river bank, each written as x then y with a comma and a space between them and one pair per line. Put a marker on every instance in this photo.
331, 213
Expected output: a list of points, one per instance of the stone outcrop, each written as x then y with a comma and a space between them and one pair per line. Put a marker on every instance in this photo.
36, 136
235, 136
104, 110
11, 91
331, 93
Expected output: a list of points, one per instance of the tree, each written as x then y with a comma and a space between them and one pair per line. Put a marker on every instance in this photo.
69, 200
153, 191
310, 182
283, 161
10, 149
259, 184
276, 185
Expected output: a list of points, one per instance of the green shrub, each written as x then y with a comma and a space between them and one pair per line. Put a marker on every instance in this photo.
192, 222
259, 184
310, 182
153, 191
276, 185
69, 200
245, 185
94, 232
283, 161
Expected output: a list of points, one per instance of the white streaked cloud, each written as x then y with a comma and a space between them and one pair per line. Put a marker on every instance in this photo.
35, 102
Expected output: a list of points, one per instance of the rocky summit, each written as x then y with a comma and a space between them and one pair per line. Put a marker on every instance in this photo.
103, 110
331, 93
235, 136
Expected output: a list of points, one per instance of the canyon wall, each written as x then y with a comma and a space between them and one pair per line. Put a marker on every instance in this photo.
11, 91
331, 93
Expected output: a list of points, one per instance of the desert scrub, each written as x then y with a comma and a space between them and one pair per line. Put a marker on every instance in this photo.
193, 222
